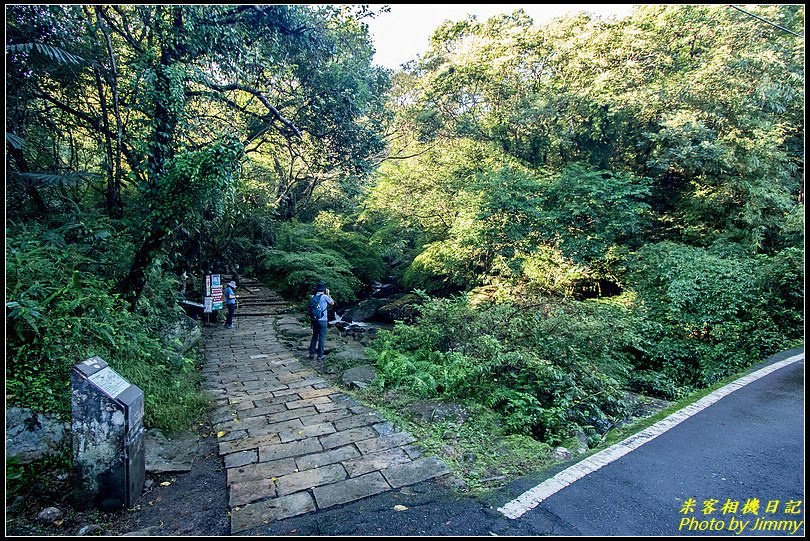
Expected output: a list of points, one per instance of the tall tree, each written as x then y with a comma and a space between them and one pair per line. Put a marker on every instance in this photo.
703, 99
171, 90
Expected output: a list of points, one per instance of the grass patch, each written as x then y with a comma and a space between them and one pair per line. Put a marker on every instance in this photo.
476, 449
173, 394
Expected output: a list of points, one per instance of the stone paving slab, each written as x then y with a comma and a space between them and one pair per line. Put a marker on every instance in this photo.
292, 443
410, 473
266, 511
350, 490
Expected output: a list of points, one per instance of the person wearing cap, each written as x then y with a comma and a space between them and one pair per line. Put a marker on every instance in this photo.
230, 303
319, 324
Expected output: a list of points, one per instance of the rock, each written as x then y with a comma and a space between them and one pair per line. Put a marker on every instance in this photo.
362, 333
351, 353
400, 309
363, 374
582, 442
385, 428
175, 454
451, 481
449, 451
644, 406
364, 311
342, 325
30, 435
289, 319
183, 334
50, 515
561, 453
431, 411
380, 291
297, 330
92, 529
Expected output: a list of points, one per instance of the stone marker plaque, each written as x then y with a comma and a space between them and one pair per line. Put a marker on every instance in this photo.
109, 382
108, 437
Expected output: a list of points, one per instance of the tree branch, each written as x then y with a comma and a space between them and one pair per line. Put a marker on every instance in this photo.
274, 113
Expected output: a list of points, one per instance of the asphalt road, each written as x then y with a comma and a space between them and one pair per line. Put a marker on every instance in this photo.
749, 445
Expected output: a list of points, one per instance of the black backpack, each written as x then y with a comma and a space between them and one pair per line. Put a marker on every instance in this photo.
314, 308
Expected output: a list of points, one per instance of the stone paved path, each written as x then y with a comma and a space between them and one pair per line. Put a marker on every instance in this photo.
291, 443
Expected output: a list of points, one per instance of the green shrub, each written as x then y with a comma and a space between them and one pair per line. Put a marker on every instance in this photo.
306, 254
712, 312
59, 313
296, 274
365, 263
546, 271
656, 384
441, 267
505, 358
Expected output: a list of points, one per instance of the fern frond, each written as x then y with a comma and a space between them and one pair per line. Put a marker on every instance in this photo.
54, 53
14, 140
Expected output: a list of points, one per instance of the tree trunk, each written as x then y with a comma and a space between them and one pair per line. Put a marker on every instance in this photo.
133, 284
161, 152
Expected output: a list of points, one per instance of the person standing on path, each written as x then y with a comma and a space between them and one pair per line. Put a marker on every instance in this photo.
319, 318
230, 303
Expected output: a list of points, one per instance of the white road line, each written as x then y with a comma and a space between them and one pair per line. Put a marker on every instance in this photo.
532, 497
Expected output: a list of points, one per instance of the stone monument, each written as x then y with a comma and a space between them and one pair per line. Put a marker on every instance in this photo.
108, 437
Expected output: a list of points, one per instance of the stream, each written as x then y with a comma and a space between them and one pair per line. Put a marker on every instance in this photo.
361, 317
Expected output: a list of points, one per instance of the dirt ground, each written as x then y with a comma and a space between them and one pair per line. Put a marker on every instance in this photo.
193, 503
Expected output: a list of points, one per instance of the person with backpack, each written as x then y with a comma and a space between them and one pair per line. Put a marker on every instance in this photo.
318, 308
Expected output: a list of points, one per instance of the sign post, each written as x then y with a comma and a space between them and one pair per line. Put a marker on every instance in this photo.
109, 465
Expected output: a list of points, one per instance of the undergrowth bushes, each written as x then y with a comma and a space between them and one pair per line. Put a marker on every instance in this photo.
507, 358
305, 254
62, 308
691, 317
708, 313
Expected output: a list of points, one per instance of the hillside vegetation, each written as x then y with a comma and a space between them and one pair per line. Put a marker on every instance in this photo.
584, 208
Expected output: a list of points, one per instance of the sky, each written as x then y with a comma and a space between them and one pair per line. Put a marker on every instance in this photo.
403, 33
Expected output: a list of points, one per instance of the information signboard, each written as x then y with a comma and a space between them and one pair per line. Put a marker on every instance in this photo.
216, 294
213, 290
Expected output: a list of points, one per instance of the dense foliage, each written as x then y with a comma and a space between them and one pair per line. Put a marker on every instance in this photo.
66, 310
543, 370
654, 162
305, 254
586, 207
148, 141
